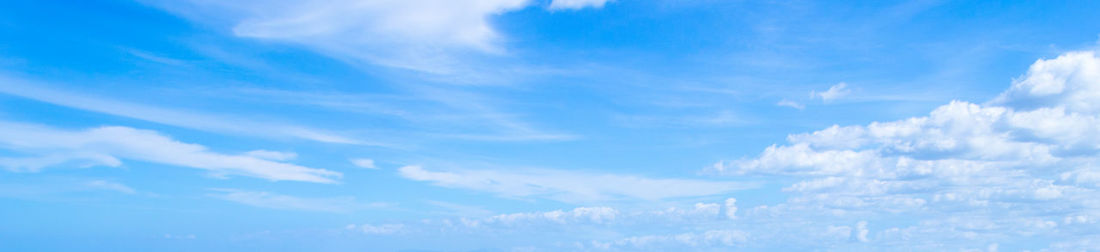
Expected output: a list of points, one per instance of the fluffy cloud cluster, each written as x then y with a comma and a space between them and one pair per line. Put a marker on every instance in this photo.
1021, 164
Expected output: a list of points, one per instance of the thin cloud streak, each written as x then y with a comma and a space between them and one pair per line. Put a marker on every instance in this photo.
179, 118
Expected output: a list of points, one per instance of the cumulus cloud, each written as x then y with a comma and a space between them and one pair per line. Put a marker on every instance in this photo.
47, 146
731, 208
287, 202
1069, 82
569, 186
1030, 154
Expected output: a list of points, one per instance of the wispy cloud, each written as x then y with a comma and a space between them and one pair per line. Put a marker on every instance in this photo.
273, 155
584, 225
365, 163
215, 123
833, 93
577, 4
64, 188
110, 186
422, 35
286, 202
439, 112
570, 186
789, 103
106, 145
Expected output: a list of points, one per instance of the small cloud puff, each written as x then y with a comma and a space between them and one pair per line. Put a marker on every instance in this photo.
364, 163
833, 93
789, 103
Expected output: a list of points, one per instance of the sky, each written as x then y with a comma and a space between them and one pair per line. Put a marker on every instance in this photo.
549, 125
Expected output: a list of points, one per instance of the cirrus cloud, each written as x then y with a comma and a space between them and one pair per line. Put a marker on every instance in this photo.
47, 146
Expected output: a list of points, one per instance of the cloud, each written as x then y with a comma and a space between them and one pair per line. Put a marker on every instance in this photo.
179, 118
731, 208
569, 186
789, 103
709, 238
581, 214
696, 225
1068, 82
834, 92
106, 145
286, 202
383, 229
422, 35
1028, 155
364, 163
590, 215
50, 188
273, 155
448, 112
577, 4
110, 186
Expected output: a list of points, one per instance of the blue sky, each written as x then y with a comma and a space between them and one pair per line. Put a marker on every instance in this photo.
549, 125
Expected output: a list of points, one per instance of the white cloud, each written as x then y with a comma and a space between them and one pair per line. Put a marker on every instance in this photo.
286, 202
731, 208
423, 35
105, 145
1029, 155
861, 232
273, 155
596, 215
110, 186
569, 186
383, 229
180, 118
1071, 81
49, 188
834, 92
709, 238
789, 103
364, 163
577, 4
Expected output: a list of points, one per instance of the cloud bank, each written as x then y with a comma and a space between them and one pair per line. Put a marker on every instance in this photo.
570, 186
1023, 164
